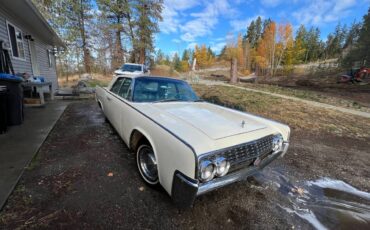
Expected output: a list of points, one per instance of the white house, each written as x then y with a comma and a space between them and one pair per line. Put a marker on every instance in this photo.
30, 38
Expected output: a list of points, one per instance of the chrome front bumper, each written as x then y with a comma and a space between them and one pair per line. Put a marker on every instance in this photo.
185, 190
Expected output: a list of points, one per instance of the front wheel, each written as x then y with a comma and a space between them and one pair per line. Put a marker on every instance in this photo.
147, 164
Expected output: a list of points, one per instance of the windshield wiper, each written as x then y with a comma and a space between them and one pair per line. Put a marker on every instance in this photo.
167, 100
198, 100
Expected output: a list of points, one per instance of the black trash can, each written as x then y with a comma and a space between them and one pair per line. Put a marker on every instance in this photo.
14, 98
3, 110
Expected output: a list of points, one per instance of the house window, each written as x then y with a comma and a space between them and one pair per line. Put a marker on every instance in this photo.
16, 41
50, 58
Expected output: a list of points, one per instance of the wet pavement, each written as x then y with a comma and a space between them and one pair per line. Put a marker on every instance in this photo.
325, 203
85, 177
20, 144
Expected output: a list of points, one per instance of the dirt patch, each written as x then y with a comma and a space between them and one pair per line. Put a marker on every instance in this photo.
325, 85
164, 70
316, 86
70, 186
93, 80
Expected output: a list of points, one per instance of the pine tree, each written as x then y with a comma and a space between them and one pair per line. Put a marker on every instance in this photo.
361, 50
222, 54
335, 42
300, 45
149, 14
117, 13
211, 54
81, 14
159, 57
186, 55
251, 35
265, 24
176, 62
313, 44
258, 28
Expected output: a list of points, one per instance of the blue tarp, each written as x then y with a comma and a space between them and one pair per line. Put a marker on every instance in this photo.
10, 77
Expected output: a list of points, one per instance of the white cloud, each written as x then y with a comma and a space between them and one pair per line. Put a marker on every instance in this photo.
271, 3
191, 45
239, 25
175, 40
318, 12
218, 47
219, 39
170, 14
205, 21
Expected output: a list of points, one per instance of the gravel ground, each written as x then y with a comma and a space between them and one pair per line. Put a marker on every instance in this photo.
85, 177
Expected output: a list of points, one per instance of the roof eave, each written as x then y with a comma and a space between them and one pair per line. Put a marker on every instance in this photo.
55, 38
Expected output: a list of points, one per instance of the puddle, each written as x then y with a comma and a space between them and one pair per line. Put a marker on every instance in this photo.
324, 203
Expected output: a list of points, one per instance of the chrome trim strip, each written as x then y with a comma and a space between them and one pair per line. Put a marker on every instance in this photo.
285, 148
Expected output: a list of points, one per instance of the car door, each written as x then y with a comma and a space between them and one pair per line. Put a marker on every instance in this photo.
122, 105
109, 107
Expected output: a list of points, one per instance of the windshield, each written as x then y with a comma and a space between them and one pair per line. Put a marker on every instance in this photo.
131, 68
161, 90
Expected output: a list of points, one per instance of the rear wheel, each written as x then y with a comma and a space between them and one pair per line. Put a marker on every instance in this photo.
147, 164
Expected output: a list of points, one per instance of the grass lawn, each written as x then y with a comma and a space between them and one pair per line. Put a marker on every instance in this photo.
308, 95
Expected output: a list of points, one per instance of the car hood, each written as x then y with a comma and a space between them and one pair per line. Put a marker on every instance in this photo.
214, 121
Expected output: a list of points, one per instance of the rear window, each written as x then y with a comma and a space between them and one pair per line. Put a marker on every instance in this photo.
158, 89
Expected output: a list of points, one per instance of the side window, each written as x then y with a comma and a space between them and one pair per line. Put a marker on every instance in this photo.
117, 85
50, 58
16, 40
125, 89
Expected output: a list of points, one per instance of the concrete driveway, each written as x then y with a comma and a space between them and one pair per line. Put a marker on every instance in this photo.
20, 144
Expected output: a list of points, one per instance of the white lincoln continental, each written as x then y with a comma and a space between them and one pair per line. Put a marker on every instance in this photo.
184, 144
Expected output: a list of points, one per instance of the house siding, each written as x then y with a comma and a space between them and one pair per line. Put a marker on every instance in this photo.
49, 73
25, 66
20, 66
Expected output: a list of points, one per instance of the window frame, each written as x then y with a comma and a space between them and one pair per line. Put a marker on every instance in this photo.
111, 88
49, 54
129, 90
16, 40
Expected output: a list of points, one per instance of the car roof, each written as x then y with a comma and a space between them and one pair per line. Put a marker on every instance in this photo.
133, 64
151, 77
143, 76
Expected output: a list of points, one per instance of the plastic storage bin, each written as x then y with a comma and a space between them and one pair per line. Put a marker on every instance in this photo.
14, 98
3, 110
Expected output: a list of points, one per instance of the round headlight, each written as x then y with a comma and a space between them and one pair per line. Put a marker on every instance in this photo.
277, 143
207, 170
222, 166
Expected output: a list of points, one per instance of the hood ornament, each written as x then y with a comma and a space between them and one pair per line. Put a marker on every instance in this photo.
243, 123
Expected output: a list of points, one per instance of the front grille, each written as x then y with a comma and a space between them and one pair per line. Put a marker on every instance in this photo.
247, 152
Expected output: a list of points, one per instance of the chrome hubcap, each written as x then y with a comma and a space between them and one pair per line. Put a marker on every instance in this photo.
148, 164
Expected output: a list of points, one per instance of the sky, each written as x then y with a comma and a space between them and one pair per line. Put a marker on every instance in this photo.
189, 22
